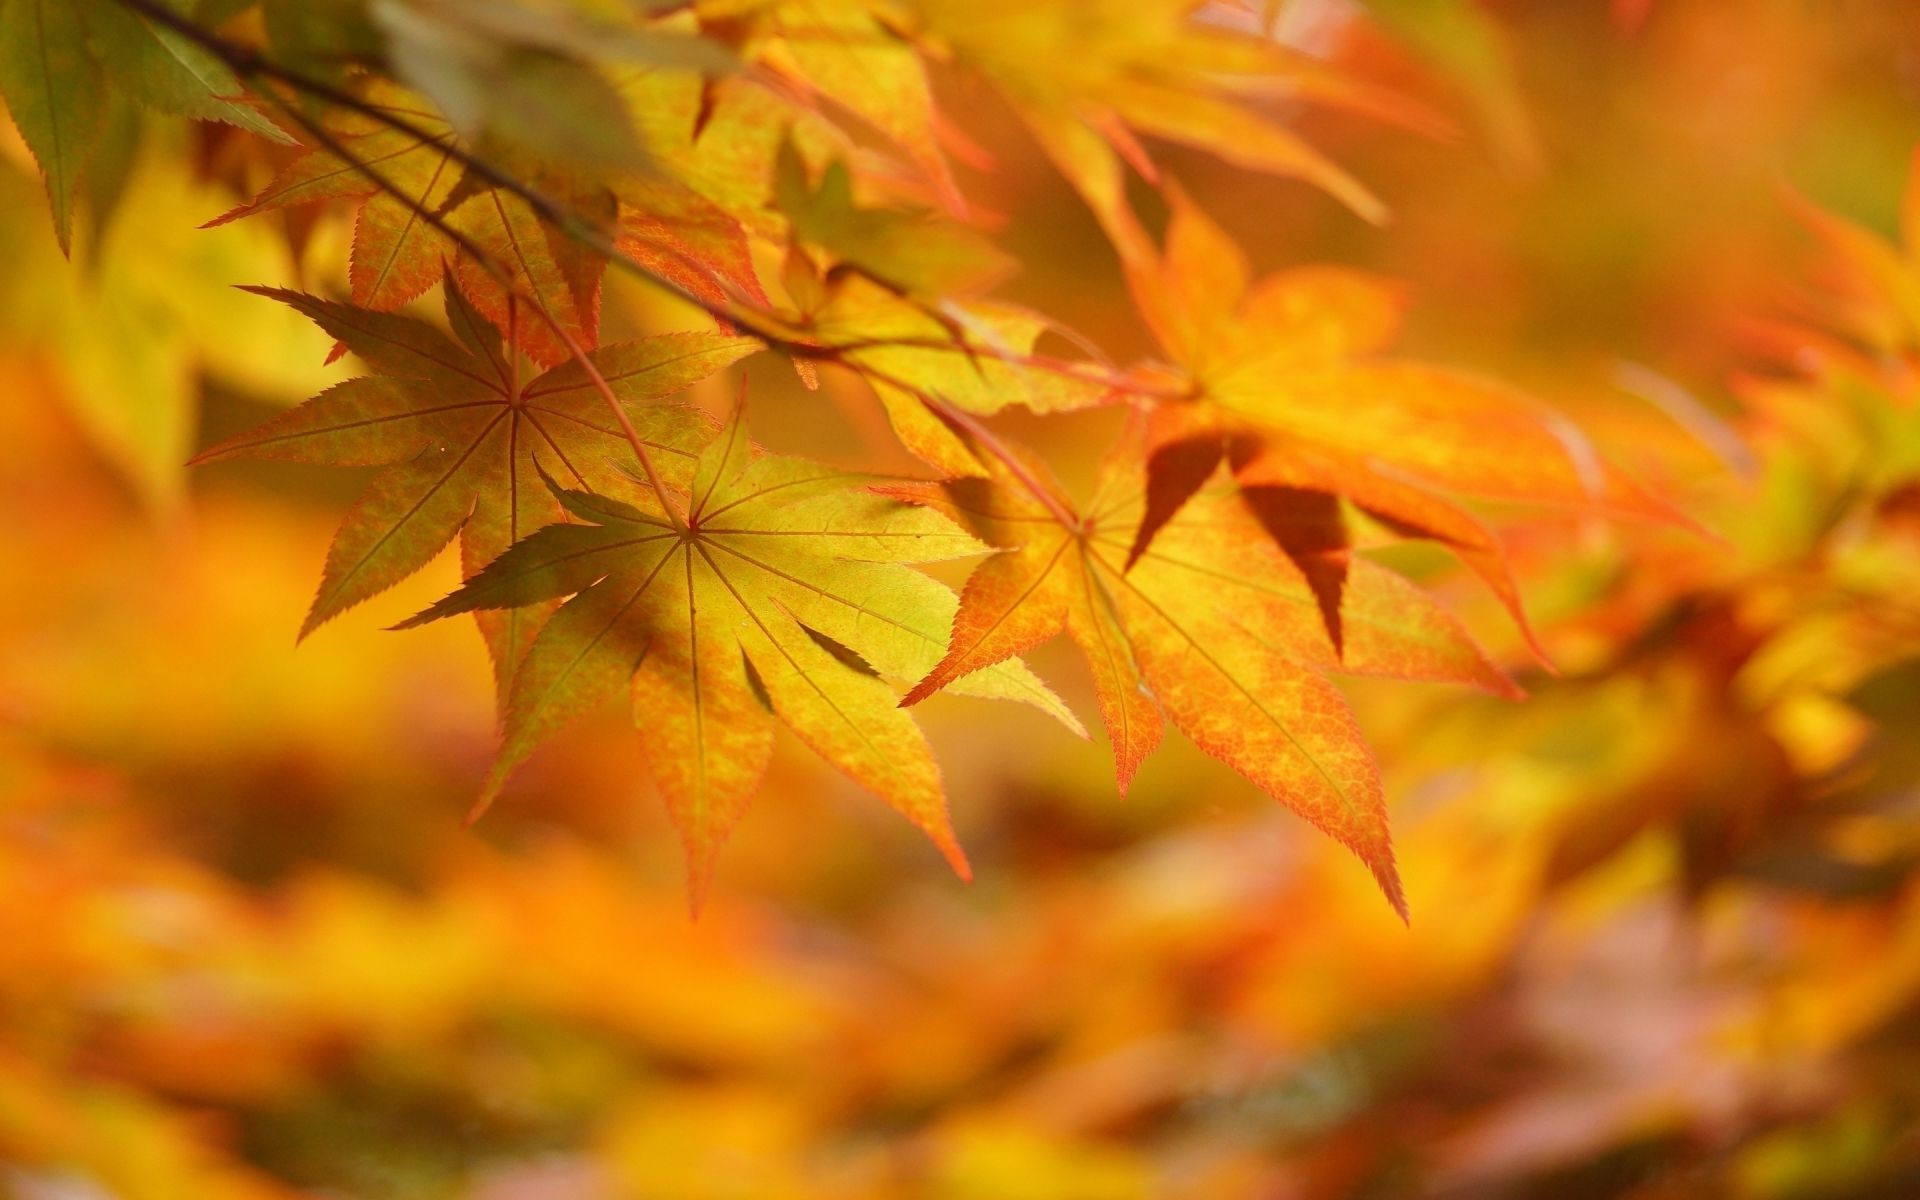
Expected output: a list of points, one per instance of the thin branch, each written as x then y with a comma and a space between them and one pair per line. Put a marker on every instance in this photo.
501, 275
252, 64
990, 442
757, 323
248, 62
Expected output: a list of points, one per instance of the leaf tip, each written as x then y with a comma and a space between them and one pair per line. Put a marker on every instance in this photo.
489, 792
920, 691
322, 611
940, 830
1387, 875
699, 886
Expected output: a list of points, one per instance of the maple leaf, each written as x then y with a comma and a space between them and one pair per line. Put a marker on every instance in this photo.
889, 307
975, 354
463, 438
785, 593
912, 251
1088, 76
686, 239
57, 60
1216, 627
1286, 378
56, 94
840, 57
168, 72
399, 253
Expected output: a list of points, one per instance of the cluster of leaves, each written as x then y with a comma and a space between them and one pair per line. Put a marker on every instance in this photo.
512, 158
246, 954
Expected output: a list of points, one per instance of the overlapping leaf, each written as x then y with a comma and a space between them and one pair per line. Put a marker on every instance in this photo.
58, 59
412, 184
897, 303
914, 252
843, 57
783, 593
973, 354
1287, 377
1214, 626
1088, 76
464, 438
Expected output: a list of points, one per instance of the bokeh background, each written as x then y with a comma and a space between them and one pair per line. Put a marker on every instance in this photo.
1666, 930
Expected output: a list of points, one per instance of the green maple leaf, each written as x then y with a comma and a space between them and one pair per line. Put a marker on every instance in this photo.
56, 93
167, 71
58, 60
464, 440
786, 593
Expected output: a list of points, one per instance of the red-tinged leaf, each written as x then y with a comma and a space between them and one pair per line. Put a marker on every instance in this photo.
1295, 355
1443, 427
788, 588
925, 435
398, 253
1176, 470
1040, 583
1310, 531
1403, 507
420, 210
1287, 373
1133, 719
303, 179
1226, 628
550, 266
709, 740
317, 175
1012, 602
464, 441
978, 356
1273, 720
685, 238
1221, 550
